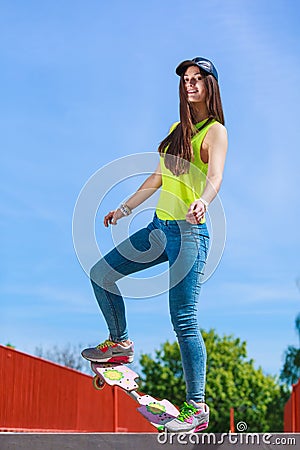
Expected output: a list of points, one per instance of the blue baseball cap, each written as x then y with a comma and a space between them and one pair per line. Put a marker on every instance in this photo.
203, 63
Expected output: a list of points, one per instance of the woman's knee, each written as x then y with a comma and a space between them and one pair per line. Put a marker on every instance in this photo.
184, 324
102, 273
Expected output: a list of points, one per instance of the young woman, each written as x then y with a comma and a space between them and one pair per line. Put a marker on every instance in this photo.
192, 158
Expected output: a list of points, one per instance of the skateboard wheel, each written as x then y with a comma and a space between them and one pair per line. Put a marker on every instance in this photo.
98, 383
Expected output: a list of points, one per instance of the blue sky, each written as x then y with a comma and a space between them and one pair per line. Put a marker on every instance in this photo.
84, 84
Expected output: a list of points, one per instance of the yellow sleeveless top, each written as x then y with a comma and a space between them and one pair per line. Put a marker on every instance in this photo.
177, 193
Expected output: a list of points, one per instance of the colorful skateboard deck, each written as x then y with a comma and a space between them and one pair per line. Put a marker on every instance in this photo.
116, 375
157, 412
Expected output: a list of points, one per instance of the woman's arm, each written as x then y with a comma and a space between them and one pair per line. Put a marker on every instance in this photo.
216, 144
150, 185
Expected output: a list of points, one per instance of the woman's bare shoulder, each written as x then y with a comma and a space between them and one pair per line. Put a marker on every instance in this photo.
218, 128
216, 132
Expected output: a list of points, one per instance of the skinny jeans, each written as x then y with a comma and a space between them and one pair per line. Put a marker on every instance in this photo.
185, 247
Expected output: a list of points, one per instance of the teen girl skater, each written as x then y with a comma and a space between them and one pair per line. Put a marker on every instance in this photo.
189, 174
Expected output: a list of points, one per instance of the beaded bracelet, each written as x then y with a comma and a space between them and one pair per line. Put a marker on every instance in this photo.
125, 210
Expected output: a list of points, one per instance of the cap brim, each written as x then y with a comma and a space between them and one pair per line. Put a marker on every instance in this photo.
184, 65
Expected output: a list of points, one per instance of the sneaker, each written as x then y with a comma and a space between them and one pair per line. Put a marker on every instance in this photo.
191, 419
109, 352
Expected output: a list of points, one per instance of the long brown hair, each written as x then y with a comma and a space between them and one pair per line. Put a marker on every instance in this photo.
177, 148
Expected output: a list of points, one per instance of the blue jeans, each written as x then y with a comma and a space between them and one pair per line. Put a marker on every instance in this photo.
185, 246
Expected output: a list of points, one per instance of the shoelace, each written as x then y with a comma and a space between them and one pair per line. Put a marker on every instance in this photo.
186, 411
106, 343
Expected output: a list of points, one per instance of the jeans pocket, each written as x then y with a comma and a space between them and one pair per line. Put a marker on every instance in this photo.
199, 230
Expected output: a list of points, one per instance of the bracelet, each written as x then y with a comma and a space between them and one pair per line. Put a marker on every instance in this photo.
125, 210
205, 203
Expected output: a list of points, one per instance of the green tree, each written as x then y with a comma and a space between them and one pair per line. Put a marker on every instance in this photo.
232, 381
10, 345
290, 372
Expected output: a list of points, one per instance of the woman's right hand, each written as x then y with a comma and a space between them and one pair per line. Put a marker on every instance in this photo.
112, 217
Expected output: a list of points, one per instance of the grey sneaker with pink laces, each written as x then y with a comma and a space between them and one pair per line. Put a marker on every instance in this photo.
192, 418
109, 352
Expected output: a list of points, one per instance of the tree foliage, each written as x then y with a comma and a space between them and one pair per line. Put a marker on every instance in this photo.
10, 345
232, 381
290, 372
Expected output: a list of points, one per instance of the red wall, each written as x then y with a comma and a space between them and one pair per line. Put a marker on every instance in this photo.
39, 395
292, 411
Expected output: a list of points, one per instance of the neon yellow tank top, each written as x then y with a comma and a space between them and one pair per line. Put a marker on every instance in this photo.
177, 193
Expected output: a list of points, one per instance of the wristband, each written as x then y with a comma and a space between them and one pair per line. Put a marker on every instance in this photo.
205, 203
125, 210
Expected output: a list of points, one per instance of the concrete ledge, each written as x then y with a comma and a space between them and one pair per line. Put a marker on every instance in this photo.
147, 441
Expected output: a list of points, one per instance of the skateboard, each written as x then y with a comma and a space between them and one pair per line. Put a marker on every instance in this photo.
157, 412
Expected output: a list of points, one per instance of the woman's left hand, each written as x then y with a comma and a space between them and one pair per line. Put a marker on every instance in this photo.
196, 212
